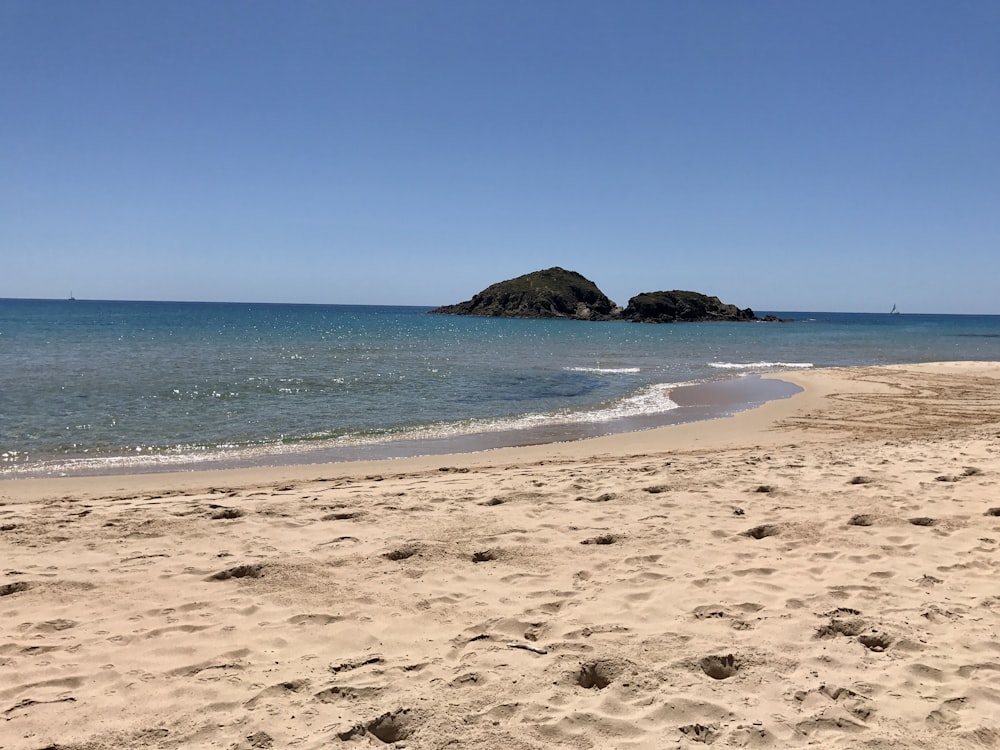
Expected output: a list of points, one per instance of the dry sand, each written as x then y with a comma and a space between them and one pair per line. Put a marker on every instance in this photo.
822, 571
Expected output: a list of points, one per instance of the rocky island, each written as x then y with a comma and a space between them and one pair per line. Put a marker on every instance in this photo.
678, 305
553, 293
558, 293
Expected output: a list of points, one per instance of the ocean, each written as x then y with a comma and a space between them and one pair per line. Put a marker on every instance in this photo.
107, 387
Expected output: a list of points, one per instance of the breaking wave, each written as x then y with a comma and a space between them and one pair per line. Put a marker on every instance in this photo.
760, 365
605, 370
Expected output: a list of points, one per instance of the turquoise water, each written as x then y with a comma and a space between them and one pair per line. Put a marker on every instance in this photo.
103, 386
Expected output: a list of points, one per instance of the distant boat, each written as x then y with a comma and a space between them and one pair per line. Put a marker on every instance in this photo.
894, 311
73, 299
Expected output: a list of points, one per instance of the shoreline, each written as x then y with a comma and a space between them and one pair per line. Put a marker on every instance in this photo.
694, 402
743, 428
758, 427
818, 571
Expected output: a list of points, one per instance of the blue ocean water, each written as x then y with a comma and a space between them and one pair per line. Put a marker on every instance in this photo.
88, 386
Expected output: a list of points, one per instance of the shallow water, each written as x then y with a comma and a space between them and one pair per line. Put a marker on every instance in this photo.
106, 386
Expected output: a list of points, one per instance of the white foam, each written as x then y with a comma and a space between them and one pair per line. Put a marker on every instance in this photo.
653, 399
605, 370
760, 365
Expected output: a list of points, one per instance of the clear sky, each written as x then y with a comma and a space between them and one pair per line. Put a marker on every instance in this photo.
798, 155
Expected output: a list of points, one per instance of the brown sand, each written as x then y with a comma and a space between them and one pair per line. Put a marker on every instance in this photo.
822, 571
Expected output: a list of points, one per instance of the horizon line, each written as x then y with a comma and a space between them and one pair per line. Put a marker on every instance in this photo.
378, 304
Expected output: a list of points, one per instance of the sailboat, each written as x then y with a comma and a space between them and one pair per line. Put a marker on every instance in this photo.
894, 311
71, 297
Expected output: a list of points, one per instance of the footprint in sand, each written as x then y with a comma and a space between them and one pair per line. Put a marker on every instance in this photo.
467, 679
352, 664
875, 641
719, 612
388, 728
227, 513
54, 626
240, 571
259, 741
700, 732
403, 553
342, 516
605, 498
656, 489
595, 675
13, 588
836, 626
277, 691
317, 619
336, 693
719, 667
761, 532
601, 539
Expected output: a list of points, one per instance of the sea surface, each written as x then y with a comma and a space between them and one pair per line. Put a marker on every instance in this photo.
108, 387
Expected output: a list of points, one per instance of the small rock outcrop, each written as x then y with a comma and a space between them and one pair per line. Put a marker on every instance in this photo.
678, 306
553, 293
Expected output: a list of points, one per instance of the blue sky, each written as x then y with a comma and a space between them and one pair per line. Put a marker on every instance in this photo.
781, 155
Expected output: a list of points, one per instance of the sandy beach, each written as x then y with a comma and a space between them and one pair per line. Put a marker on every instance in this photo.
823, 571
